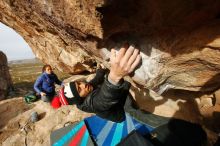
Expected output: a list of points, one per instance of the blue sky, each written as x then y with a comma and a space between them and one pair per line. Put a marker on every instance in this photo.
13, 45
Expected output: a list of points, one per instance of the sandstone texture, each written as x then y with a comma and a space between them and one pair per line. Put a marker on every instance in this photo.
17, 128
179, 43
179, 40
5, 78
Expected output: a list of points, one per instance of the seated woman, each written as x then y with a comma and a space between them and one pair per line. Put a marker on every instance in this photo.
45, 83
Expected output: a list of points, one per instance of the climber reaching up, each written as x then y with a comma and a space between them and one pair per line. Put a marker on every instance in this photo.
103, 95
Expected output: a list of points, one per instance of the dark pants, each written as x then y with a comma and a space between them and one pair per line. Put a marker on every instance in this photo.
47, 98
168, 131
143, 116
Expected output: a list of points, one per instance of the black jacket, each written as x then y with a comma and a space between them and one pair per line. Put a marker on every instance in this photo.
106, 100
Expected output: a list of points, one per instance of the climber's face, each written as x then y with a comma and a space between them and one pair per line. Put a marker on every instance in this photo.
83, 88
48, 70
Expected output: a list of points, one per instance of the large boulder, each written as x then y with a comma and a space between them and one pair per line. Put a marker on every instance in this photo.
5, 78
179, 40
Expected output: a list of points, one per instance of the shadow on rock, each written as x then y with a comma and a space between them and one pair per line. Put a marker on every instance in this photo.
42, 115
9, 109
179, 133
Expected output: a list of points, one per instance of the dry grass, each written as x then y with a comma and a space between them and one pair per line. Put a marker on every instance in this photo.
24, 75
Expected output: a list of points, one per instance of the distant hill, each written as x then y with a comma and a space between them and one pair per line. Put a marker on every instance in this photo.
24, 61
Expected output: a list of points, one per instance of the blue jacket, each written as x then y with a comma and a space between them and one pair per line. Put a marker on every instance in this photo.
46, 83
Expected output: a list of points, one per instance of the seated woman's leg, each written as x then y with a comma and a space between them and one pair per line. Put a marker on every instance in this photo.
45, 98
48, 97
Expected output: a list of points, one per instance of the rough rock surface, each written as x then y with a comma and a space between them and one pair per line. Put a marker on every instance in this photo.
179, 43
179, 40
5, 78
17, 129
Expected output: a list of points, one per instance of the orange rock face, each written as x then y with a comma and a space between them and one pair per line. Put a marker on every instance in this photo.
179, 40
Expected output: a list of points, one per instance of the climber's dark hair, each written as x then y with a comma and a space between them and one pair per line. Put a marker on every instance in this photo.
45, 66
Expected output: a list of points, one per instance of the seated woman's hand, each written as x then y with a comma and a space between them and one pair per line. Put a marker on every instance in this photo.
42, 94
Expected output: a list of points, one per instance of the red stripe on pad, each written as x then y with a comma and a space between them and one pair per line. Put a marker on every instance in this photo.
78, 136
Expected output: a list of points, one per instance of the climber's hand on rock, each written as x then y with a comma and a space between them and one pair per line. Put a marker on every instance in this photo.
124, 62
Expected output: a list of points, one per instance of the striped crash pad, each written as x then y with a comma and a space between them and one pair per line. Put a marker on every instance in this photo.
97, 131
72, 135
108, 133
